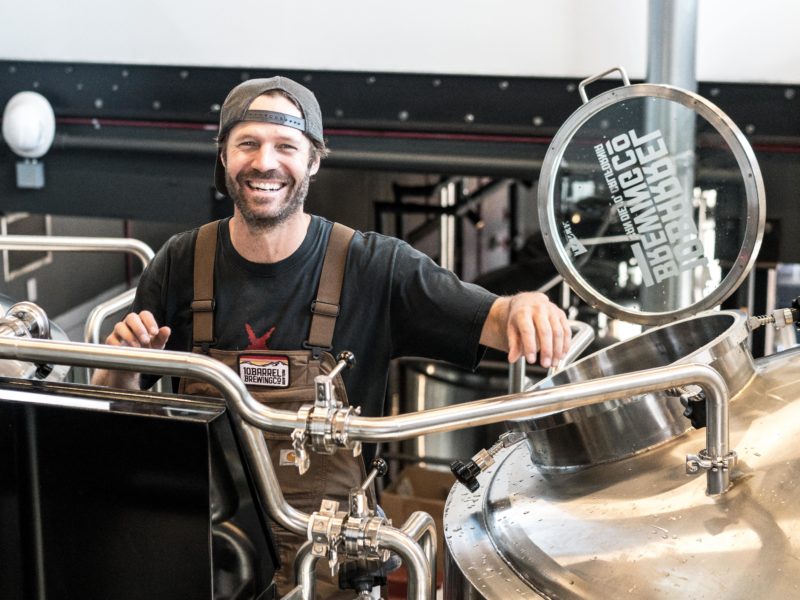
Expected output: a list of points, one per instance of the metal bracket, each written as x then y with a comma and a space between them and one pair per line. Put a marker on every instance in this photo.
702, 460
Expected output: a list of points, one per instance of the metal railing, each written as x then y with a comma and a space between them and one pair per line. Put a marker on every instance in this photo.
251, 417
52, 243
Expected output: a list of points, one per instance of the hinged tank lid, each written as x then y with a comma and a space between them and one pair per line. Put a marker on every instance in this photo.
651, 202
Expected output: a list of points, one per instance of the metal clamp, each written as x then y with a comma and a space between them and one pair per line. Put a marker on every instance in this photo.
324, 422
702, 460
325, 532
299, 441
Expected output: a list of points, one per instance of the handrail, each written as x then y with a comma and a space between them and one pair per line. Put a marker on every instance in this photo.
55, 243
91, 331
78, 244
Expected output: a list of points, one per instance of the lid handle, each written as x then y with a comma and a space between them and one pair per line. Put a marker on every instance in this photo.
582, 85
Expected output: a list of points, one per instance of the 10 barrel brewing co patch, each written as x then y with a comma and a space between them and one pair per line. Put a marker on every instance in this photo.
264, 370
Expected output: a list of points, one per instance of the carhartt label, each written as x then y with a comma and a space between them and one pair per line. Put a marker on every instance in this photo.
269, 371
287, 458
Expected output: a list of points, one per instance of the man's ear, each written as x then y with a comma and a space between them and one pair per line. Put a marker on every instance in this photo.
314, 166
222, 157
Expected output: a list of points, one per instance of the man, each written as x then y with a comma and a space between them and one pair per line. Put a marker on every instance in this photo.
263, 292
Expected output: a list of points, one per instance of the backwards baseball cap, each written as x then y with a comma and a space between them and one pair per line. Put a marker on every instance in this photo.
237, 109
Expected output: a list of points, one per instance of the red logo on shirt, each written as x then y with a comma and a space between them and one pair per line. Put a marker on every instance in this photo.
258, 343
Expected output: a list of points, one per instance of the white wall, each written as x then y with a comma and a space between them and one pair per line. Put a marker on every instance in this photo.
738, 40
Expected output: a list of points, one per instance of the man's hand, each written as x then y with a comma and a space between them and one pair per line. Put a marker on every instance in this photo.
139, 330
136, 330
527, 324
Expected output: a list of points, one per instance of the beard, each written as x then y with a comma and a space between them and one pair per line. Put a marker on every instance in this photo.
290, 206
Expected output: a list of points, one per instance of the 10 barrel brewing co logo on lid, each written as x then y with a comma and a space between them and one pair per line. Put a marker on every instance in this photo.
264, 370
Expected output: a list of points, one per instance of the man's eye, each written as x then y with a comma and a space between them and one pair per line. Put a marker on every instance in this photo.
287, 147
247, 144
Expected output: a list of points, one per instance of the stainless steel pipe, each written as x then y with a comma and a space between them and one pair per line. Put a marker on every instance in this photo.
419, 573
53, 243
582, 336
77, 244
91, 331
421, 527
305, 565
384, 429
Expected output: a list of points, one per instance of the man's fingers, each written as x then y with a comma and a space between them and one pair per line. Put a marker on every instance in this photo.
139, 331
559, 337
134, 323
160, 340
123, 336
544, 336
149, 322
522, 335
514, 344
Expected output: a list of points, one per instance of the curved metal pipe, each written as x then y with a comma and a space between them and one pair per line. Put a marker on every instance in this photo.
91, 331
582, 336
381, 429
419, 574
77, 244
537, 402
305, 565
55, 243
267, 482
421, 527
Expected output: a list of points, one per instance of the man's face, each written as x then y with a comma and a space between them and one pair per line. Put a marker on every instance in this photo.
268, 166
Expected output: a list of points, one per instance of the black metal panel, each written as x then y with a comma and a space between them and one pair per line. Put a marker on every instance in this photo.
136, 498
136, 141
517, 106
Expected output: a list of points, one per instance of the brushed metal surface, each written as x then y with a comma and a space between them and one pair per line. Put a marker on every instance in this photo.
640, 527
599, 433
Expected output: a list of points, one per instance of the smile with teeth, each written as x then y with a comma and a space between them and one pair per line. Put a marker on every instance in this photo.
264, 186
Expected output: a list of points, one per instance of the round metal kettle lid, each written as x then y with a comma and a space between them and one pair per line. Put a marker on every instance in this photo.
651, 203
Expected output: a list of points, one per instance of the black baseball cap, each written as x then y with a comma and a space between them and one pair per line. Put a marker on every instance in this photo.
237, 109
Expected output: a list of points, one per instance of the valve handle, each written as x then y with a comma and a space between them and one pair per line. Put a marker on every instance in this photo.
379, 465
347, 357
346, 360
379, 469
466, 473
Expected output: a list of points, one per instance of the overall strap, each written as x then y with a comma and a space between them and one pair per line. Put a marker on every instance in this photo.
205, 251
325, 308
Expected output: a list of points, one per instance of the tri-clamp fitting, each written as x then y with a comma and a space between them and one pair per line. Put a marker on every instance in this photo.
325, 421
703, 460
339, 535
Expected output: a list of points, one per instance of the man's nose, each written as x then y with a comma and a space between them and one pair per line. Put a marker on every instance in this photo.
265, 159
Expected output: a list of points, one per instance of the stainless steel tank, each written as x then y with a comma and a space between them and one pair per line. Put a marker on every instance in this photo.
596, 502
24, 319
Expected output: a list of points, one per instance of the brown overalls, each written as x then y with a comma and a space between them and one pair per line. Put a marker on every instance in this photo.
328, 476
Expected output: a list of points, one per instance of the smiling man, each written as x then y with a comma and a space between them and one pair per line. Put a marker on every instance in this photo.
275, 293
